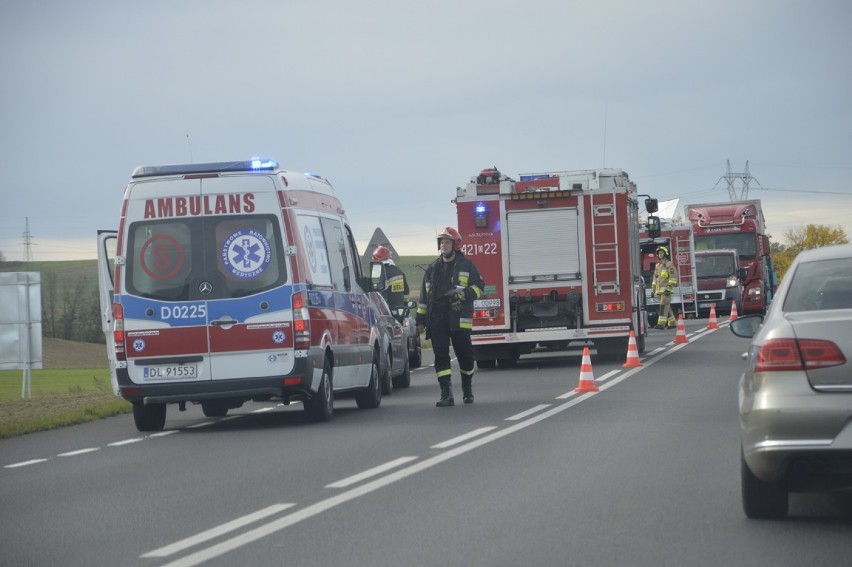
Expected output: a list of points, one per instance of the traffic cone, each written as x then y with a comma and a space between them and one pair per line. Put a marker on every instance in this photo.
632, 353
734, 314
587, 377
713, 324
680, 336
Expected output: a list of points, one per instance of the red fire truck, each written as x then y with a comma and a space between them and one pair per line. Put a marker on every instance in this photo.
679, 242
739, 225
559, 253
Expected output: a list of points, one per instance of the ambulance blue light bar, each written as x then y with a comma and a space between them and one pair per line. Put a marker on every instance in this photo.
254, 164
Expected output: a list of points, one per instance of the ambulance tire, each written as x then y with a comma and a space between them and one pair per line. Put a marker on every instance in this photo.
507, 362
487, 363
371, 397
320, 406
151, 417
214, 409
404, 379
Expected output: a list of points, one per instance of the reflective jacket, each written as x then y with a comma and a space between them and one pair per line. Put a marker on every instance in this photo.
665, 277
396, 293
438, 303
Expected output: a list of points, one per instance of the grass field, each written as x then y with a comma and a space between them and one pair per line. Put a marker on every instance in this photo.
59, 398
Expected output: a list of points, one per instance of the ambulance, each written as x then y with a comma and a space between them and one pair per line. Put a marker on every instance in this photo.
236, 281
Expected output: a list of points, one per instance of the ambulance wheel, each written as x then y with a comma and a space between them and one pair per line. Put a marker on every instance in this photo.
320, 406
371, 397
506, 362
404, 379
488, 363
149, 418
214, 409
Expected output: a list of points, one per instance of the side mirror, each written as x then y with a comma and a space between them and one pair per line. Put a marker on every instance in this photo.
654, 228
746, 325
743, 273
378, 276
652, 205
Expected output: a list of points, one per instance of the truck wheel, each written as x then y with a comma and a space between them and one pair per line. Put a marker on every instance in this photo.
320, 406
371, 397
404, 379
149, 418
762, 500
214, 409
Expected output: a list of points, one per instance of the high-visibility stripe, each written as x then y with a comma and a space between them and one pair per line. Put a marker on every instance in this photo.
447, 372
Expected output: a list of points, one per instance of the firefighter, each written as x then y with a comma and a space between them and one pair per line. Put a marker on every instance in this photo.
445, 311
663, 283
396, 292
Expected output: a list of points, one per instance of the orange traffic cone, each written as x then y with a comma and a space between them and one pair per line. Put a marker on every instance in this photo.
713, 324
680, 336
734, 314
587, 377
632, 353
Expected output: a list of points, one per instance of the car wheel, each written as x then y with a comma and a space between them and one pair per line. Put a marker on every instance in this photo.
214, 409
320, 406
371, 397
150, 417
404, 379
762, 500
387, 377
416, 358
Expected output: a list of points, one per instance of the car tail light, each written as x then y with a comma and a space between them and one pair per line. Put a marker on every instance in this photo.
301, 321
792, 354
118, 330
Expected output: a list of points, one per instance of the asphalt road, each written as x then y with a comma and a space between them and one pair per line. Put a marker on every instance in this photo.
644, 472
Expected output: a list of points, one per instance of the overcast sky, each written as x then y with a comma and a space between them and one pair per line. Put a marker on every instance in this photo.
398, 102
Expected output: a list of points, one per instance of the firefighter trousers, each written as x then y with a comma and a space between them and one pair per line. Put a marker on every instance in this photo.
441, 339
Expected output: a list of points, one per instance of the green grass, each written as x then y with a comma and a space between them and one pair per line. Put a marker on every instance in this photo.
59, 398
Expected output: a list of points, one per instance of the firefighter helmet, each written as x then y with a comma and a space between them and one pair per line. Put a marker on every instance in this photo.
451, 234
381, 254
664, 250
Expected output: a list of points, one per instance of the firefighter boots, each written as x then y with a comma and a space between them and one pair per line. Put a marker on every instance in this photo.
446, 393
467, 388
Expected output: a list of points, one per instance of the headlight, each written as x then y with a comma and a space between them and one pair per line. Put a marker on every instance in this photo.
732, 281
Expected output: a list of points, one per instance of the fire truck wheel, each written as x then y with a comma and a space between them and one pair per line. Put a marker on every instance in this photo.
151, 417
491, 363
320, 407
371, 397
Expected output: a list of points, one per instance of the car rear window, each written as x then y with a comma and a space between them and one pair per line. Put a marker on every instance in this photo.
821, 285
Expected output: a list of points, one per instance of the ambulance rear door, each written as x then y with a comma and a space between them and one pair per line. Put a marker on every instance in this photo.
107, 240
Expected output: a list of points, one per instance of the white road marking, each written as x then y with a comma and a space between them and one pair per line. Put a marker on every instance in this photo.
126, 442
218, 531
343, 483
463, 438
530, 411
25, 463
79, 452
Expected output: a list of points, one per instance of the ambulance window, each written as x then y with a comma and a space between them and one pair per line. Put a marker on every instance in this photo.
336, 250
353, 251
248, 250
315, 254
160, 259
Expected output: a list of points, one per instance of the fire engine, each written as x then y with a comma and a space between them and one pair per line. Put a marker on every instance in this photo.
559, 253
679, 242
739, 225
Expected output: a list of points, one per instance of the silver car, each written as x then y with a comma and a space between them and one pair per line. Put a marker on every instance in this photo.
795, 395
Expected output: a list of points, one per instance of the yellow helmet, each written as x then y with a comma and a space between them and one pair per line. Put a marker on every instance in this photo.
664, 250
